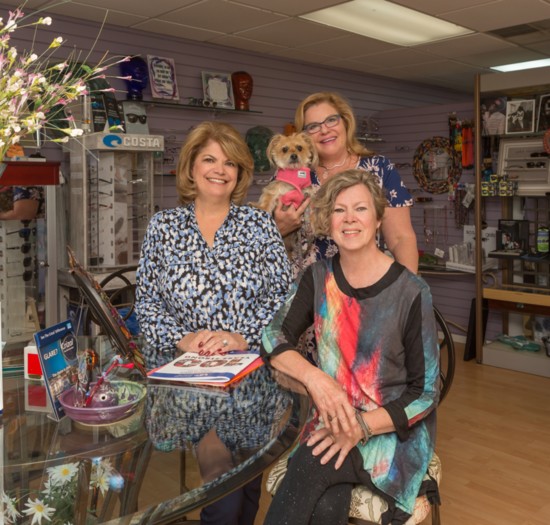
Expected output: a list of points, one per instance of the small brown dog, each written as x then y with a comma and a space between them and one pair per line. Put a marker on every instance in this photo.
293, 156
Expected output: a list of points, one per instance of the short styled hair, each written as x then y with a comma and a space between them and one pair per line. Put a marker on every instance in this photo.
322, 204
233, 146
343, 108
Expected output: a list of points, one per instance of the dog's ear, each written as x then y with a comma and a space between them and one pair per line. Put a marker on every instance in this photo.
272, 146
313, 155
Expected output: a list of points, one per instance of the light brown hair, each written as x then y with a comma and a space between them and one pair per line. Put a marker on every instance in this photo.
232, 145
322, 204
343, 108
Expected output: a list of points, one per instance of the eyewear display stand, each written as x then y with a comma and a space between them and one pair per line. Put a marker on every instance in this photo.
18, 280
111, 197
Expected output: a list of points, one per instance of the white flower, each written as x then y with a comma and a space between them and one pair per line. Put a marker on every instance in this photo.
47, 21
10, 512
38, 510
76, 132
62, 473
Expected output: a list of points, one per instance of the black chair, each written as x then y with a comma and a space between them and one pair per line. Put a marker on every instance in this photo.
121, 289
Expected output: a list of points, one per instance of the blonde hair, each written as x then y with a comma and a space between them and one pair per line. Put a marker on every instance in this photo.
343, 108
232, 145
322, 204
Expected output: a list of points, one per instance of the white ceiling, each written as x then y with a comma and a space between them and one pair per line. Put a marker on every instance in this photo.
505, 31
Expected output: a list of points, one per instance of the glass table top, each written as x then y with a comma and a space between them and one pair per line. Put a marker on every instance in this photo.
185, 447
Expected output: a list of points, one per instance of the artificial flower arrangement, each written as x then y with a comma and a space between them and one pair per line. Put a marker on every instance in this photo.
35, 87
55, 503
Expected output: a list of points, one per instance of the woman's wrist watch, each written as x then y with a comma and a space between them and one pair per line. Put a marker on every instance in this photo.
367, 432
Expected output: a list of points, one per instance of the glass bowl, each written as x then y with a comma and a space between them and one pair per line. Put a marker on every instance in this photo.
119, 400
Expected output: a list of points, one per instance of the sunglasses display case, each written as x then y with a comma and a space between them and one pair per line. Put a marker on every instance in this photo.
526, 163
18, 280
111, 196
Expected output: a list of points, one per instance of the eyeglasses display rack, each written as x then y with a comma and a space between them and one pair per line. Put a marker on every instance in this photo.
18, 280
111, 197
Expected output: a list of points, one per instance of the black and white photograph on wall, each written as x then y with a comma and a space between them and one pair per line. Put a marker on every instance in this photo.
543, 120
493, 116
520, 116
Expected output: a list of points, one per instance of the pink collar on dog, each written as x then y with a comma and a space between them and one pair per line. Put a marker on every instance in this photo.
299, 178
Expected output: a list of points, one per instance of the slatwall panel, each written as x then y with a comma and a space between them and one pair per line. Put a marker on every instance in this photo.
402, 132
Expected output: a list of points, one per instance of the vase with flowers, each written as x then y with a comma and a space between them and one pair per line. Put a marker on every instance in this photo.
35, 86
55, 503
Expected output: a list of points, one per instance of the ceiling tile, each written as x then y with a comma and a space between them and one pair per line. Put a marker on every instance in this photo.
291, 7
95, 14
465, 45
498, 58
245, 43
177, 30
299, 54
136, 7
495, 15
293, 32
439, 7
397, 58
220, 16
348, 46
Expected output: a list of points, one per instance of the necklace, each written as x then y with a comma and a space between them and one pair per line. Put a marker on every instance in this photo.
337, 165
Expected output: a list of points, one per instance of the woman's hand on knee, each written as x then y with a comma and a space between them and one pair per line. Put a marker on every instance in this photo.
327, 445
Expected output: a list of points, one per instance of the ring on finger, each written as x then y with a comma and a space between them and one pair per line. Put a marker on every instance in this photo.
225, 342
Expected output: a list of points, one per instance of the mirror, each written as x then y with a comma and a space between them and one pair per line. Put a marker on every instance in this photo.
437, 165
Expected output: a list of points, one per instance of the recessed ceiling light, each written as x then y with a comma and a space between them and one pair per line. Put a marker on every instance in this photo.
518, 66
388, 22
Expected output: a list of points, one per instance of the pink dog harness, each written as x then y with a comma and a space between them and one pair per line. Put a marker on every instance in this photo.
300, 179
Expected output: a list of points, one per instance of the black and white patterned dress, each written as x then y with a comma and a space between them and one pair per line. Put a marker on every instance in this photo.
185, 286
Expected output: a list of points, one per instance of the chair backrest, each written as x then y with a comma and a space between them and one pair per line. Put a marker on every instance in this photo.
446, 357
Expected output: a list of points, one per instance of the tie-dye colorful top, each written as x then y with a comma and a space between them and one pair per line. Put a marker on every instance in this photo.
380, 343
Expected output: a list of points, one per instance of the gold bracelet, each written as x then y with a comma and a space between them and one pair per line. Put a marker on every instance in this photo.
367, 432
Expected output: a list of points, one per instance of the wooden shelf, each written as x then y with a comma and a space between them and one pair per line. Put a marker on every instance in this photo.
504, 356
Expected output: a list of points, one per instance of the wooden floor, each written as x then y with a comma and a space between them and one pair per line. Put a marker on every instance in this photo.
494, 444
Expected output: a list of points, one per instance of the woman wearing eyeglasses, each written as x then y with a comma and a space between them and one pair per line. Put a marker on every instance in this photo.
330, 122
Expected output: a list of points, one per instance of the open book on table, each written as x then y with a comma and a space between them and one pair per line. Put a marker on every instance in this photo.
220, 370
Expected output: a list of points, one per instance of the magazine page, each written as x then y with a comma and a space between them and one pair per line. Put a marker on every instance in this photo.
208, 369
57, 351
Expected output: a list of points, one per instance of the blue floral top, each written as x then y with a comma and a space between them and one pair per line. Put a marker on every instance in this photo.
9, 195
185, 286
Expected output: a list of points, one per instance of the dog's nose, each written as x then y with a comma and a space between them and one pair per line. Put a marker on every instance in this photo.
294, 157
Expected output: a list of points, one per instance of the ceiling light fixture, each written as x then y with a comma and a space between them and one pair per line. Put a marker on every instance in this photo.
388, 22
518, 66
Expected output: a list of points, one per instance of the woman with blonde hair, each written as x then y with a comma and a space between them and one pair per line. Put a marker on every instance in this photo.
376, 386
329, 120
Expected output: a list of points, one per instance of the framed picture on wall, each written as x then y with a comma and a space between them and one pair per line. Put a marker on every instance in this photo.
217, 90
520, 116
162, 77
543, 116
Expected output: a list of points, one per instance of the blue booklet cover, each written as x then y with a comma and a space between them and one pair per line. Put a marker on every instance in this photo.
57, 351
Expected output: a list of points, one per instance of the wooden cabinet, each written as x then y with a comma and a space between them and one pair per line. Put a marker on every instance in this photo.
520, 291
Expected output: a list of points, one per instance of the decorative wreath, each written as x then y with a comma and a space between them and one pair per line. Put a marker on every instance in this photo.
434, 147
